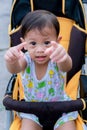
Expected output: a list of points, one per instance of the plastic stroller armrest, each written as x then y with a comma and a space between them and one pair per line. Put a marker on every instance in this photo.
42, 107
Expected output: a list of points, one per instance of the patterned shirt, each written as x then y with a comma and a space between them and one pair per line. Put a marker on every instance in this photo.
49, 88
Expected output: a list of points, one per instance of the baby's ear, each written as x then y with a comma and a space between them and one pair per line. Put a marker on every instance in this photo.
59, 39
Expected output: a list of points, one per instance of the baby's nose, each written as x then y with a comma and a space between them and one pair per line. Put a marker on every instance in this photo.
40, 48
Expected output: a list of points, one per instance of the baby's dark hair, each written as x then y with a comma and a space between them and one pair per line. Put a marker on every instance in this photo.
39, 19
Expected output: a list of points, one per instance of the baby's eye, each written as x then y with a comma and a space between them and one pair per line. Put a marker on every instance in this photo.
33, 43
47, 43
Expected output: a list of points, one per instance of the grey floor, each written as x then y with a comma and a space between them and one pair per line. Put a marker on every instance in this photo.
5, 6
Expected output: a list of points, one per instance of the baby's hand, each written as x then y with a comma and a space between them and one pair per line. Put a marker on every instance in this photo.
14, 53
56, 52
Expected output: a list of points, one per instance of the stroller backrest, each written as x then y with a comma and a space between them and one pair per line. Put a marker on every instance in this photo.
61, 8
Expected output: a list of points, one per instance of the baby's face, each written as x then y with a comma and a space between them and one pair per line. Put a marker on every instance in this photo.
38, 42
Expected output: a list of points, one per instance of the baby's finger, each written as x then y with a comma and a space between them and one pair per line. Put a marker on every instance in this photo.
22, 40
13, 52
54, 44
49, 50
58, 51
21, 46
62, 59
9, 57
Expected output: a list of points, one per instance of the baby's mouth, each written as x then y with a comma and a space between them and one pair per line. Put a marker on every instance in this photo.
40, 58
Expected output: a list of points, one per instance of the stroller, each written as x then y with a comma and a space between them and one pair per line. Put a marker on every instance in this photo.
74, 20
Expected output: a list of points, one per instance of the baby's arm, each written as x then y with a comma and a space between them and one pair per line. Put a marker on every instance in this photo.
14, 59
58, 54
